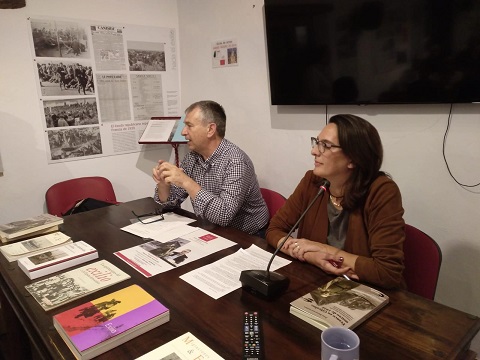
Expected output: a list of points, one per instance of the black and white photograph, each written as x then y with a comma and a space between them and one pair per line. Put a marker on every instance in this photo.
162, 250
53, 38
65, 78
47, 256
74, 143
146, 56
70, 112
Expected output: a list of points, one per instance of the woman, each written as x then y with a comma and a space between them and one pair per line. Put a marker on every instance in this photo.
356, 228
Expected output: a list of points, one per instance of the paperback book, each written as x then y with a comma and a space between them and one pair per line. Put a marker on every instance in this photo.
33, 246
104, 323
185, 347
53, 260
340, 302
63, 288
37, 225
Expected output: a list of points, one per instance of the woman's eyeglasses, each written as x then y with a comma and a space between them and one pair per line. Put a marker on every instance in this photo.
322, 145
144, 218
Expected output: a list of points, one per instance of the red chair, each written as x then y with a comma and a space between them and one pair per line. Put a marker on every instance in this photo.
273, 199
64, 195
423, 259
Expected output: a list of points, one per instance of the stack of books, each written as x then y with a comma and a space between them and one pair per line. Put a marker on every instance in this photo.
60, 258
340, 302
104, 323
34, 226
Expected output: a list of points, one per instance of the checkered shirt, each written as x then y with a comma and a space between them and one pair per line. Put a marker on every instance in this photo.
229, 194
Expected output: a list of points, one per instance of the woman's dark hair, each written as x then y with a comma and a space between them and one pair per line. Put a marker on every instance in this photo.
360, 142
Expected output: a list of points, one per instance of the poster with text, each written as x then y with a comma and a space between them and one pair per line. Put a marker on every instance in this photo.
224, 53
99, 84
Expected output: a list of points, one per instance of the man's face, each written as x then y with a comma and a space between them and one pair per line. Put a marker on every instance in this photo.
195, 131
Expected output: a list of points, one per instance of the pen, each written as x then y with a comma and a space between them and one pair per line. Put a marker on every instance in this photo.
337, 264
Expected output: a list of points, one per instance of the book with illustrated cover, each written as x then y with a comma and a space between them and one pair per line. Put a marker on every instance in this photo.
340, 302
60, 258
34, 245
63, 288
31, 226
185, 347
104, 323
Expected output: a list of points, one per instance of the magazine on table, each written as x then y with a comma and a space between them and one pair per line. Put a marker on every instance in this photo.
340, 302
185, 347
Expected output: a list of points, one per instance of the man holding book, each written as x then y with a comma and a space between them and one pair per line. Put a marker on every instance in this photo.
217, 175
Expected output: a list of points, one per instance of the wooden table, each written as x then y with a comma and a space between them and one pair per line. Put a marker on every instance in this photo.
410, 327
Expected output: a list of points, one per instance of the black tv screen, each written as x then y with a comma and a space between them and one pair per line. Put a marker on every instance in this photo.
373, 52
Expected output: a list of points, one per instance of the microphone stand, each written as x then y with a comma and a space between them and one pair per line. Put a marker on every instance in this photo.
270, 284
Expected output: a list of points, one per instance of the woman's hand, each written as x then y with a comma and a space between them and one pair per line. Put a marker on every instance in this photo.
324, 256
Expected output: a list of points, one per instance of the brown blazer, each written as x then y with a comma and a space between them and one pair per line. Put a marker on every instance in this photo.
376, 231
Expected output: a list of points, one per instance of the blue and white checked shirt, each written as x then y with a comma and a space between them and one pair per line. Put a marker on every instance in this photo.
229, 195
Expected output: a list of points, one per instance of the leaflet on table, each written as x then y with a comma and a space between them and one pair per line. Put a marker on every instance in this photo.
154, 257
222, 277
157, 229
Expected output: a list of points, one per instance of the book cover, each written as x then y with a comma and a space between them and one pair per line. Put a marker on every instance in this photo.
185, 347
104, 323
19, 228
60, 258
34, 245
71, 285
340, 302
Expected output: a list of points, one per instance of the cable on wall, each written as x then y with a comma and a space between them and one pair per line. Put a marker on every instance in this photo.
443, 150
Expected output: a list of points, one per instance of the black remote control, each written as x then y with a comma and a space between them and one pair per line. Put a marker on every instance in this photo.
252, 336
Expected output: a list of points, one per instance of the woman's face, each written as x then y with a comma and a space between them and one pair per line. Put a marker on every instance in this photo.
332, 164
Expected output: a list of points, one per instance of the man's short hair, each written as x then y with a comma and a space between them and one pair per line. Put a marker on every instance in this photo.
211, 112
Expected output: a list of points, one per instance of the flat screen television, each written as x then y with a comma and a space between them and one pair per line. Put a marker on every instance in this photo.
373, 52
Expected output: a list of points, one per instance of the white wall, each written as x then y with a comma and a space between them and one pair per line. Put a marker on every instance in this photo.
276, 138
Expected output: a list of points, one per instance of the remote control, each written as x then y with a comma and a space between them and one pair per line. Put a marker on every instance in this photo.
252, 336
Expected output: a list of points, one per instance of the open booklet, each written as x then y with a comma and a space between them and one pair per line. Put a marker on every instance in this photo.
163, 130
155, 257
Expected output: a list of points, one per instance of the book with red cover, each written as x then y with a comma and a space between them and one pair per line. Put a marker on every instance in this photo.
104, 323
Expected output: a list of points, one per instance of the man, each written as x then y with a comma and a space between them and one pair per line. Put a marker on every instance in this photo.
217, 175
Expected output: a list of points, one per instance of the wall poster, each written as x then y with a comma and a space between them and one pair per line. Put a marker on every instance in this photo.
100, 83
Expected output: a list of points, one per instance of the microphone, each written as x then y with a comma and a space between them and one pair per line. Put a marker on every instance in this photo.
270, 284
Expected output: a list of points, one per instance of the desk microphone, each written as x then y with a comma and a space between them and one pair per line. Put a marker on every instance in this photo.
269, 284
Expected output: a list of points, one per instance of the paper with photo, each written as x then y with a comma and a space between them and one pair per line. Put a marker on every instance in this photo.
154, 257
222, 277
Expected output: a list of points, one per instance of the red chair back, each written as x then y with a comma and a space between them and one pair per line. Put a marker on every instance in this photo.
273, 199
423, 259
63, 195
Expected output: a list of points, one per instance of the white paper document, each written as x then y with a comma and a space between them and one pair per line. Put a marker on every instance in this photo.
158, 230
221, 277
154, 257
